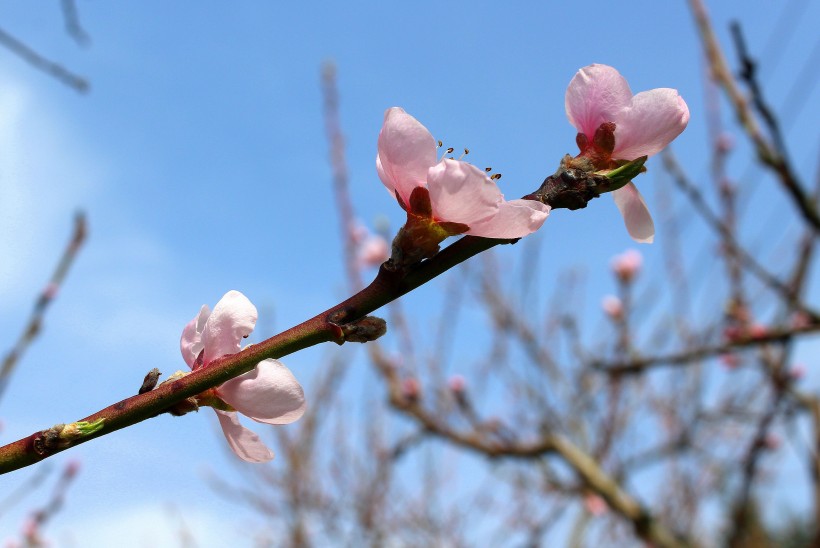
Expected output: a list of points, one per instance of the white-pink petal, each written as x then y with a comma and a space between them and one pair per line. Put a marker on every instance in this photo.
190, 344
636, 215
245, 443
514, 219
269, 393
232, 319
596, 94
406, 150
462, 193
652, 120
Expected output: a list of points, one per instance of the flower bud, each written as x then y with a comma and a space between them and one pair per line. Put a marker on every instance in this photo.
627, 265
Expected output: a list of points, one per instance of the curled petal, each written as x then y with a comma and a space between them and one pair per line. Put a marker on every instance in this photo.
515, 219
636, 215
191, 342
596, 94
269, 393
244, 443
462, 193
406, 150
652, 120
233, 319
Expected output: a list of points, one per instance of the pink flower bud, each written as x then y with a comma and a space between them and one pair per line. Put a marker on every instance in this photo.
797, 372
71, 468
457, 384
50, 291
373, 251
725, 142
595, 505
772, 442
801, 320
758, 331
411, 388
613, 307
730, 360
627, 265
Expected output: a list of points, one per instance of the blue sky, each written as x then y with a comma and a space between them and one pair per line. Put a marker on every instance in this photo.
200, 158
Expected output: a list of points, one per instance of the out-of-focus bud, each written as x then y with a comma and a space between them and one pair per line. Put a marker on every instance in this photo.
410, 388
613, 307
725, 142
373, 251
800, 320
72, 468
730, 360
457, 384
627, 265
758, 331
772, 442
797, 372
595, 505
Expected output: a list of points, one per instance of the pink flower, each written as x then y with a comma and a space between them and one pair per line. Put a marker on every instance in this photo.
643, 125
269, 393
462, 197
627, 265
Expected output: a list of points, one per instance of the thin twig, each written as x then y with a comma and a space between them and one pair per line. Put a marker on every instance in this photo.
47, 296
78, 83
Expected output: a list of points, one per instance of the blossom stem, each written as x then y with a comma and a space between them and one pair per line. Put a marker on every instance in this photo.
388, 285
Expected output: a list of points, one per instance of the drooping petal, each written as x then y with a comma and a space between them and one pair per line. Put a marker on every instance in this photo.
406, 150
515, 219
462, 193
232, 319
269, 393
596, 94
636, 215
652, 120
191, 342
243, 442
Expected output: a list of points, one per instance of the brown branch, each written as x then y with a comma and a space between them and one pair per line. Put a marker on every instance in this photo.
78, 83
684, 357
768, 154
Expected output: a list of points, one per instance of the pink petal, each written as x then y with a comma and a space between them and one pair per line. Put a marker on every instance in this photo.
191, 342
515, 219
233, 319
244, 443
596, 94
652, 121
462, 193
406, 150
269, 393
636, 215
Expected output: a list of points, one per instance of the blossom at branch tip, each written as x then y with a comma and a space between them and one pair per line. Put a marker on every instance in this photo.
269, 393
458, 197
614, 125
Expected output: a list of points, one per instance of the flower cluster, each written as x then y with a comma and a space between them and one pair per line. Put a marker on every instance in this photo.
269, 393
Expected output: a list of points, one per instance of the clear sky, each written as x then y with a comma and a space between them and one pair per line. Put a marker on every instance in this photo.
200, 158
